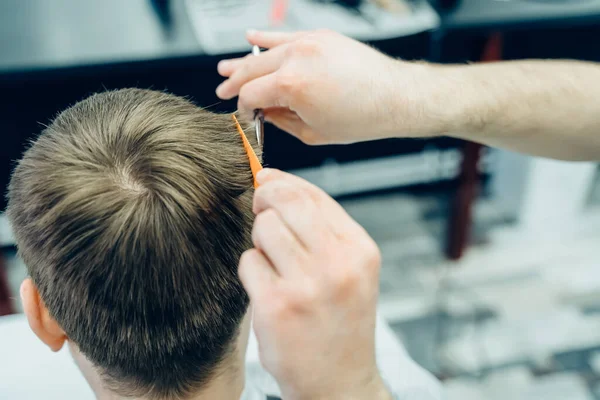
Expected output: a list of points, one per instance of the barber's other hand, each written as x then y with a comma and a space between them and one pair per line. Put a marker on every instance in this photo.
325, 88
313, 282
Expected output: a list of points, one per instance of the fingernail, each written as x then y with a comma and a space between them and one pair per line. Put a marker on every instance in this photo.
262, 175
251, 32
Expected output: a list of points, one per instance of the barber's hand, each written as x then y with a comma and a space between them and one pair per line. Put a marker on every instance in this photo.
313, 282
325, 88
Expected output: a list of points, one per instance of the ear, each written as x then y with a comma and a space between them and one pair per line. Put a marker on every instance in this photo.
40, 320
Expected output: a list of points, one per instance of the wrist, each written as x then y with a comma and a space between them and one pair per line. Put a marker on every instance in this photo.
375, 389
431, 100
370, 389
467, 102
413, 100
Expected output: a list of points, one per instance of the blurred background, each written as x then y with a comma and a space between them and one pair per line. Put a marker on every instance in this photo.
491, 272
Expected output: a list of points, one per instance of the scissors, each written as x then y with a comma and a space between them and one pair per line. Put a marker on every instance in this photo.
259, 118
259, 125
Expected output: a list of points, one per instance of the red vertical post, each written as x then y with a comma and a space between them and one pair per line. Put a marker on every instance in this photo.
459, 227
6, 306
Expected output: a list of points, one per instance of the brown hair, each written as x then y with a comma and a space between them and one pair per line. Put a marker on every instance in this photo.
131, 211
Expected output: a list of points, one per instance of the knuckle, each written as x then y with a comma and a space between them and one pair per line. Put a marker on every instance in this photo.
370, 257
243, 98
310, 294
264, 223
373, 254
281, 309
265, 219
259, 192
346, 282
288, 194
287, 83
243, 72
307, 47
293, 300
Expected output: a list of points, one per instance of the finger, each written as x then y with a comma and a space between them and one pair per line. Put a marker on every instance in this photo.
263, 93
250, 68
337, 219
272, 39
290, 122
283, 118
256, 273
266, 40
227, 67
297, 210
278, 243
280, 113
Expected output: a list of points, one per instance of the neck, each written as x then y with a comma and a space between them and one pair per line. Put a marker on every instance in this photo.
227, 385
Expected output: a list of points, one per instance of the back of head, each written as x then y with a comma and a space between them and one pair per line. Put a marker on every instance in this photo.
131, 211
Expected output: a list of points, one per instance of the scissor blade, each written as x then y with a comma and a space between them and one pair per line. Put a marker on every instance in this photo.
259, 120
259, 125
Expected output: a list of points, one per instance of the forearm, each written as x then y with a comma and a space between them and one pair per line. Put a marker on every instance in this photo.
545, 108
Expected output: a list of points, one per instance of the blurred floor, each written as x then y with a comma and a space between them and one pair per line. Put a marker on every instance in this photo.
499, 323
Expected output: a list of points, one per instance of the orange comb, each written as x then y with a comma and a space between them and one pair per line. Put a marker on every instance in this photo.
255, 165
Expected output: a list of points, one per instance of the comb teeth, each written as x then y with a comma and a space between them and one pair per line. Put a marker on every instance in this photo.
255, 165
